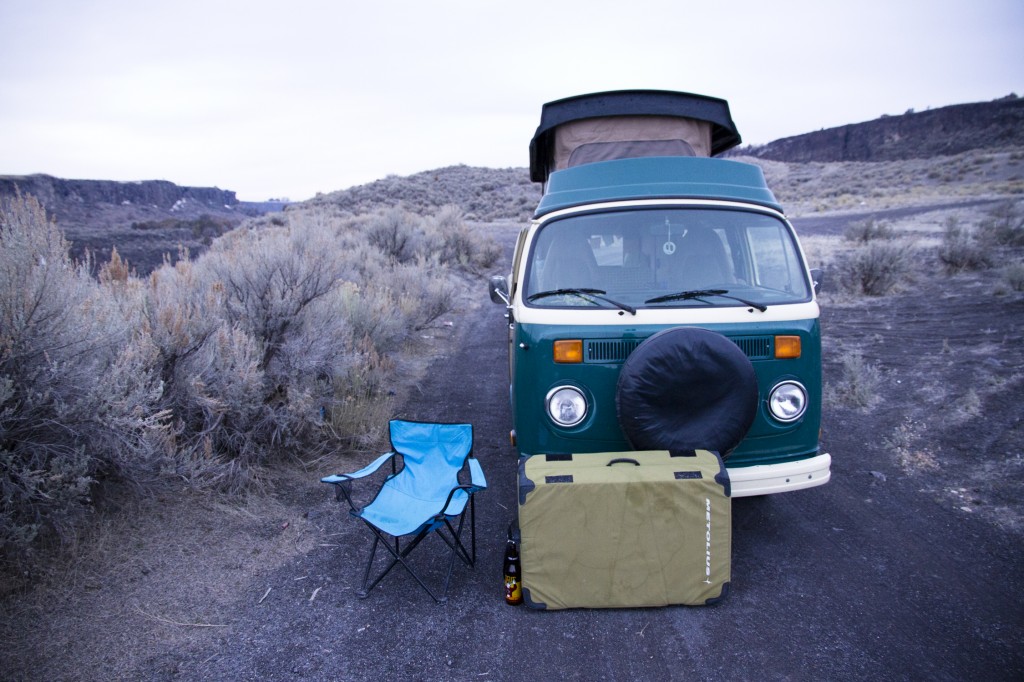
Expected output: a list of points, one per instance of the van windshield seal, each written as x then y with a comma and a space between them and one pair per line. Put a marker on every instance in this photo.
674, 256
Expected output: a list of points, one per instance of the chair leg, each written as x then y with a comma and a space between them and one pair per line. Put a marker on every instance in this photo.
398, 557
472, 526
365, 592
456, 543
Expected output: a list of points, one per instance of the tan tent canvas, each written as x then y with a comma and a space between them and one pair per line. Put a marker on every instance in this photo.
621, 137
628, 124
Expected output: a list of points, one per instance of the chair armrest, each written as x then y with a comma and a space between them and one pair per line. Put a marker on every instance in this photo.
343, 482
469, 489
477, 483
365, 471
476, 474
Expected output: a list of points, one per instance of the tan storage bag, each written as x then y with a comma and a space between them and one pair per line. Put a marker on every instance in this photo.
624, 529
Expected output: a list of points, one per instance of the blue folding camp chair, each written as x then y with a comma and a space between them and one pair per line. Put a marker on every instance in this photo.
422, 497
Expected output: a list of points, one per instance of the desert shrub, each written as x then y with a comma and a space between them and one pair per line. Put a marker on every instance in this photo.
365, 400
78, 398
424, 293
858, 382
205, 228
116, 270
455, 243
864, 231
875, 269
277, 340
373, 314
960, 249
397, 233
904, 442
404, 237
1013, 275
386, 309
272, 277
1004, 226
250, 335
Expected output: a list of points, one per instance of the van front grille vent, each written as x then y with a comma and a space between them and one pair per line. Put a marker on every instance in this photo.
610, 350
755, 347
617, 350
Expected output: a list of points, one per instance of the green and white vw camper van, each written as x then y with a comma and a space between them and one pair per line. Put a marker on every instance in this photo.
659, 299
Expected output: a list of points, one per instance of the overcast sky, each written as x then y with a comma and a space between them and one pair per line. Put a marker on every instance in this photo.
295, 97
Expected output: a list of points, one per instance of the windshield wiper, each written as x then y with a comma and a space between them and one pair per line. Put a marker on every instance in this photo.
587, 294
702, 293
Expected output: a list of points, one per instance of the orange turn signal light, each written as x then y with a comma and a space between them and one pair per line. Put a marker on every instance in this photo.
569, 351
787, 347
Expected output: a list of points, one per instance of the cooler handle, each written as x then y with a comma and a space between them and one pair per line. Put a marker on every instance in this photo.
623, 460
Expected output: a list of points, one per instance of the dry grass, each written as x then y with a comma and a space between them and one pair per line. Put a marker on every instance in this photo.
906, 443
142, 571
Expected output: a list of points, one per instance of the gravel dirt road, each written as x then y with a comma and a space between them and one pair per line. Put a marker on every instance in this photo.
884, 573
906, 566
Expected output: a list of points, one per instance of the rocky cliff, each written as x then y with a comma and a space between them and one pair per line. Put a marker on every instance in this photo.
937, 132
144, 220
63, 196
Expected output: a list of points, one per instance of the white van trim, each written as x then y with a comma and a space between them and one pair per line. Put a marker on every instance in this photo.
768, 479
609, 317
655, 203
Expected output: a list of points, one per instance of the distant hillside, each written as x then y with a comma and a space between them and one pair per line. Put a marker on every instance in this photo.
67, 196
497, 194
937, 132
483, 194
962, 150
144, 219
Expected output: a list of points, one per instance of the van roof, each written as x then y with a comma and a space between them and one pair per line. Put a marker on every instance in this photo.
665, 177
629, 103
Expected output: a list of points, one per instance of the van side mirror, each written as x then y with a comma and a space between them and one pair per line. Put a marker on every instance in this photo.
817, 277
497, 287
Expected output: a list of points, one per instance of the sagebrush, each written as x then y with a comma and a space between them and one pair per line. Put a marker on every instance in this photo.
961, 249
1004, 226
276, 342
857, 384
877, 268
864, 231
79, 391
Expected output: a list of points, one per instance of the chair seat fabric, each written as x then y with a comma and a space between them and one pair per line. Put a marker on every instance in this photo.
398, 512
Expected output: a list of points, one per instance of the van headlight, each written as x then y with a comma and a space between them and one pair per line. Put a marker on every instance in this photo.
788, 401
566, 405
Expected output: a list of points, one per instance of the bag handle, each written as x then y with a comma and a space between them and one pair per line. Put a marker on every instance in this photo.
623, 460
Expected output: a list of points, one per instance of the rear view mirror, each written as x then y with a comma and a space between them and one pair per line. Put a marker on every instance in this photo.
498, 289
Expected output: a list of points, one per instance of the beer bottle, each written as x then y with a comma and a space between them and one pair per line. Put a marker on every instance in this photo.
513, 575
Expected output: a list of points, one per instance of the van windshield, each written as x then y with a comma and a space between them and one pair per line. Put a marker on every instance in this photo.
666, 257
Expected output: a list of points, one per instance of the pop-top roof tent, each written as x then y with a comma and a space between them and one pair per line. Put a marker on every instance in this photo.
626, 124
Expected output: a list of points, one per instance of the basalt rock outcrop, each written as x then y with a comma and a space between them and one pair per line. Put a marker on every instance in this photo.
144, 220
63, 196
914, 135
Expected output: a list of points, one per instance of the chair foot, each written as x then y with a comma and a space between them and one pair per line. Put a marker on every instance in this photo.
362, 594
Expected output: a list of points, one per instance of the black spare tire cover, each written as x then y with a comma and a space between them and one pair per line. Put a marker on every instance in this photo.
686, 389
